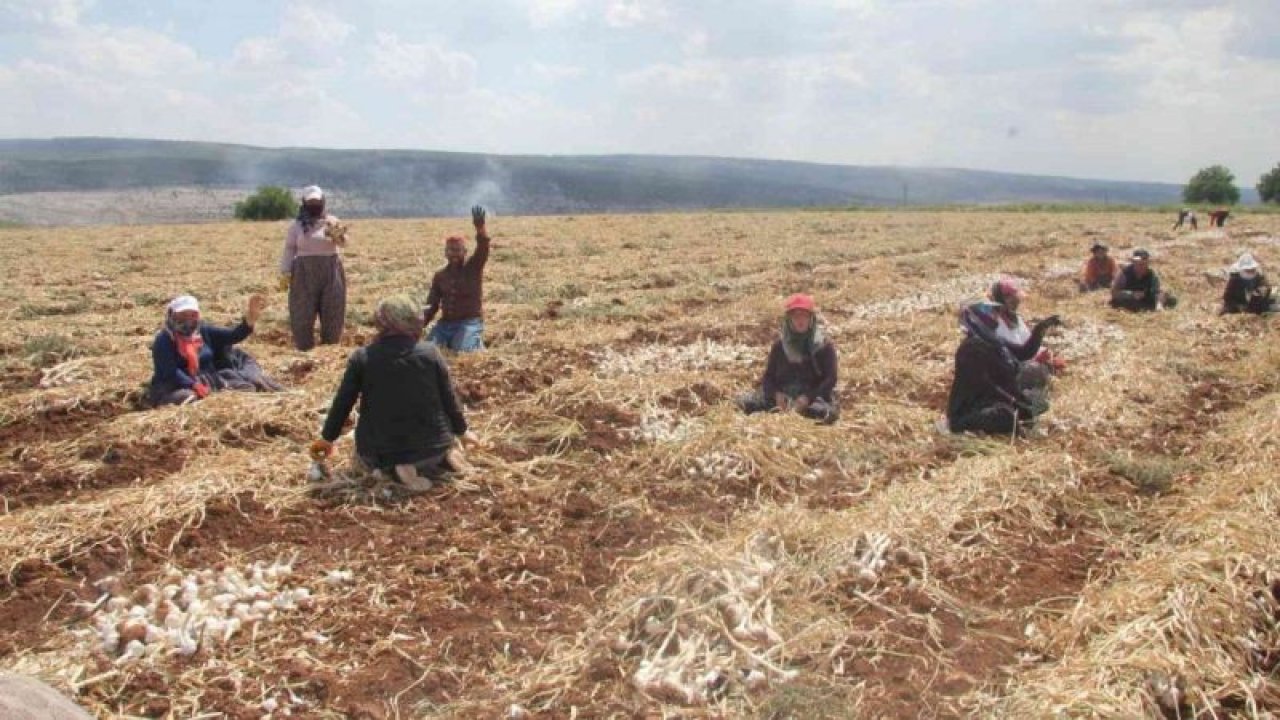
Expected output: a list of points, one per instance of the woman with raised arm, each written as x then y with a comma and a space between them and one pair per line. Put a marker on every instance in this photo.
192, 359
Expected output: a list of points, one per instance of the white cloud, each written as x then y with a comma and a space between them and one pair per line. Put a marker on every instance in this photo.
695, 43
308, 36
633, 13
306, 24
555, 72
1108, 88
423, 67
545, 13
259, 52
860, 8
14, 14
748, 82
123, 52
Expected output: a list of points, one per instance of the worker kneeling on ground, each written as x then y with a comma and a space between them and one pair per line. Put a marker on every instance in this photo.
994, 390
410, 416
801, 371
192, 359
1099, 270
1247, 289
1137, 286
457, 292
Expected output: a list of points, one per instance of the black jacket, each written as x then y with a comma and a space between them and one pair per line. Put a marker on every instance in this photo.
1246, 295
813, 377
1128, 282
986, 374
409, 411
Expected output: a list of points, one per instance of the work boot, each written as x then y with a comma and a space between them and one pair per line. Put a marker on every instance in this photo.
409, 477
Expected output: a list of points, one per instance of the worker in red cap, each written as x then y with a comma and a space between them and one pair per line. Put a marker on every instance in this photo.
457, 292
801, 372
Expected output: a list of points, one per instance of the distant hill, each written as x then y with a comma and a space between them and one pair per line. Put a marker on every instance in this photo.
34, 175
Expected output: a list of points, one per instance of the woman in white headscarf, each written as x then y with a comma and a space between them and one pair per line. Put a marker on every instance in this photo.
191, 358
1247, 288
311, 270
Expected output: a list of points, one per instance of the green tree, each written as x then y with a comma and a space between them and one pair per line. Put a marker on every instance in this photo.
270, 202
1269, 186
1214, 185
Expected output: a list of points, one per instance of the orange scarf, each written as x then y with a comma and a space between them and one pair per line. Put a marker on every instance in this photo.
189, 348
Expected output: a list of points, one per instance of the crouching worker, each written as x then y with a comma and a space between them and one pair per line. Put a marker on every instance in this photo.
1137, 286
410, 415
192, 359
993, 390
1099, 270
1247, 289
801, 371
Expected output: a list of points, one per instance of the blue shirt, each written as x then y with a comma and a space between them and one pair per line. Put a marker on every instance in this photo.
170, 368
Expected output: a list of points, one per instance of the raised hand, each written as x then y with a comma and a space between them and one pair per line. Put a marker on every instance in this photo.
477, 217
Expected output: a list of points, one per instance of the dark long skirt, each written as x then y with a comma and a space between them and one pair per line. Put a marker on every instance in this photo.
318, 287
1004, 418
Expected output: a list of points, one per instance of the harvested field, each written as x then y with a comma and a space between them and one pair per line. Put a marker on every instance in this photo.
628, 545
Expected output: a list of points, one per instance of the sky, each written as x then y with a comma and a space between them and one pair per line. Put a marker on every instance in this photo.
1115, 89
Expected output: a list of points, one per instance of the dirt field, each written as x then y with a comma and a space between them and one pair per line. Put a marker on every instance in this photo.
629, 545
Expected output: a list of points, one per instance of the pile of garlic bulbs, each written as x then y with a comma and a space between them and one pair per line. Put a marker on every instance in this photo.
701, 354
720, 465
189, 611
686, 658
947, 293
1083, 339
660, 425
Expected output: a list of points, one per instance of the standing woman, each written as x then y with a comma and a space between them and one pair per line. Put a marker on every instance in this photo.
311, 270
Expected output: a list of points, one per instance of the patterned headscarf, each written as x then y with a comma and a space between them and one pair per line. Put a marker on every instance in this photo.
399, 315
980, 320
799, 346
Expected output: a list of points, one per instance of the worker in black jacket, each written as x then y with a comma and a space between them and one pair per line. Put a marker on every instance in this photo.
800, 374
410, 415
1137, 286
1247, 290
988, 393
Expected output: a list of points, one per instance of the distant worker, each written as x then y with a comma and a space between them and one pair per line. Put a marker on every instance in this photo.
1188, 216
1218, 218
410, 416
991, 392
1247, 289
192, 359
457, 292
1099, 270
311, 270
1137, 286
800, 374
